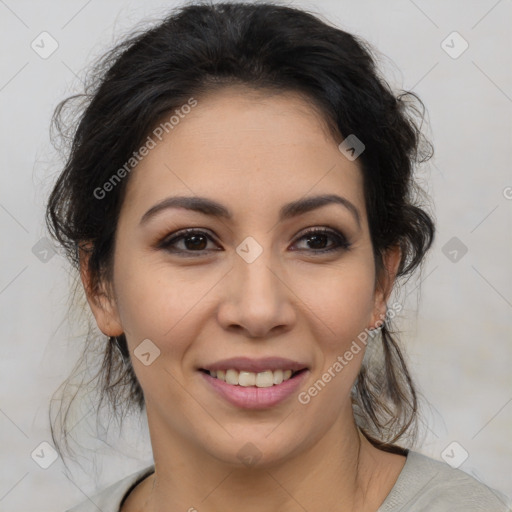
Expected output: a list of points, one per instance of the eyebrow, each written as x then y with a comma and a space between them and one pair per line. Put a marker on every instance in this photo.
212, 208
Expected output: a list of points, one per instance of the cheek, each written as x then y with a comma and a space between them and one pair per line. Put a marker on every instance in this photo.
341, 300
342, 309
157, 304
160, 303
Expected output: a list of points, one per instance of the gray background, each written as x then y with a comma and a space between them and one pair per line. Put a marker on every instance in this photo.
458, 333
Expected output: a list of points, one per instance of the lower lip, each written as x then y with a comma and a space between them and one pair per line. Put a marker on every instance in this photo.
252, 397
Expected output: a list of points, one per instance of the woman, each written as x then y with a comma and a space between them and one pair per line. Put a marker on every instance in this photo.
238, 200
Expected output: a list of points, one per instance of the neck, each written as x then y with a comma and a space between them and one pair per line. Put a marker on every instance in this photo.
333, 474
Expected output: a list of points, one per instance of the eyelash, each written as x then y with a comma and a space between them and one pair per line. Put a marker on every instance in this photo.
167, 243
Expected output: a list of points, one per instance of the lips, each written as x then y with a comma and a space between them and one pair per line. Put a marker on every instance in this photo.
254, 383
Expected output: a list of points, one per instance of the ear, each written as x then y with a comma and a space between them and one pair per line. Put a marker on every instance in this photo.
384, 284
100, 299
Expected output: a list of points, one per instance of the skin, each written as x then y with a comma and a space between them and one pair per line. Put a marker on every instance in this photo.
253, 153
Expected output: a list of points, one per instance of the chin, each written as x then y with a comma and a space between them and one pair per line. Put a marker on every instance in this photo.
258, 450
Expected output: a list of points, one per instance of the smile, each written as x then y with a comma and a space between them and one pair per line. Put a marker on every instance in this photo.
254, 390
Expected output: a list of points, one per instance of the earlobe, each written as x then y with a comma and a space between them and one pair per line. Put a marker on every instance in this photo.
101, 302
385, 282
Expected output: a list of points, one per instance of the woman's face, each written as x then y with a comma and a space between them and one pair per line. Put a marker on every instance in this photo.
252, 282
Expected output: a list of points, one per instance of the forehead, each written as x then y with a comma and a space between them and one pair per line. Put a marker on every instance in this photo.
254, 151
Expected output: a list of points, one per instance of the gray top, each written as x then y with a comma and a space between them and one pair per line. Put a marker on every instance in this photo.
424, 485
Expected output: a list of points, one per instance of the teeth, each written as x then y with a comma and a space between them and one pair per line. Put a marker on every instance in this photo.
264, 379
232, 377
278, 377
246, 379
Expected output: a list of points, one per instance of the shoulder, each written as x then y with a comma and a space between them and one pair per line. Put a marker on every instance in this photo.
429, 485
110, 498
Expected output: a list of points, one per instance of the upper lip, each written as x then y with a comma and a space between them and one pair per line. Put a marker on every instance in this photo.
255, 365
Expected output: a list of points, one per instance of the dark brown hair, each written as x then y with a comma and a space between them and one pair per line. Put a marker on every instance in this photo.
267, 47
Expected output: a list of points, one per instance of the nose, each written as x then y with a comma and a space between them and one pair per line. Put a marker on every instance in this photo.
257, 298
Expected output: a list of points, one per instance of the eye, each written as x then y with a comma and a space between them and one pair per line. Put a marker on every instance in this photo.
317, 237
196, 241
193, 241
